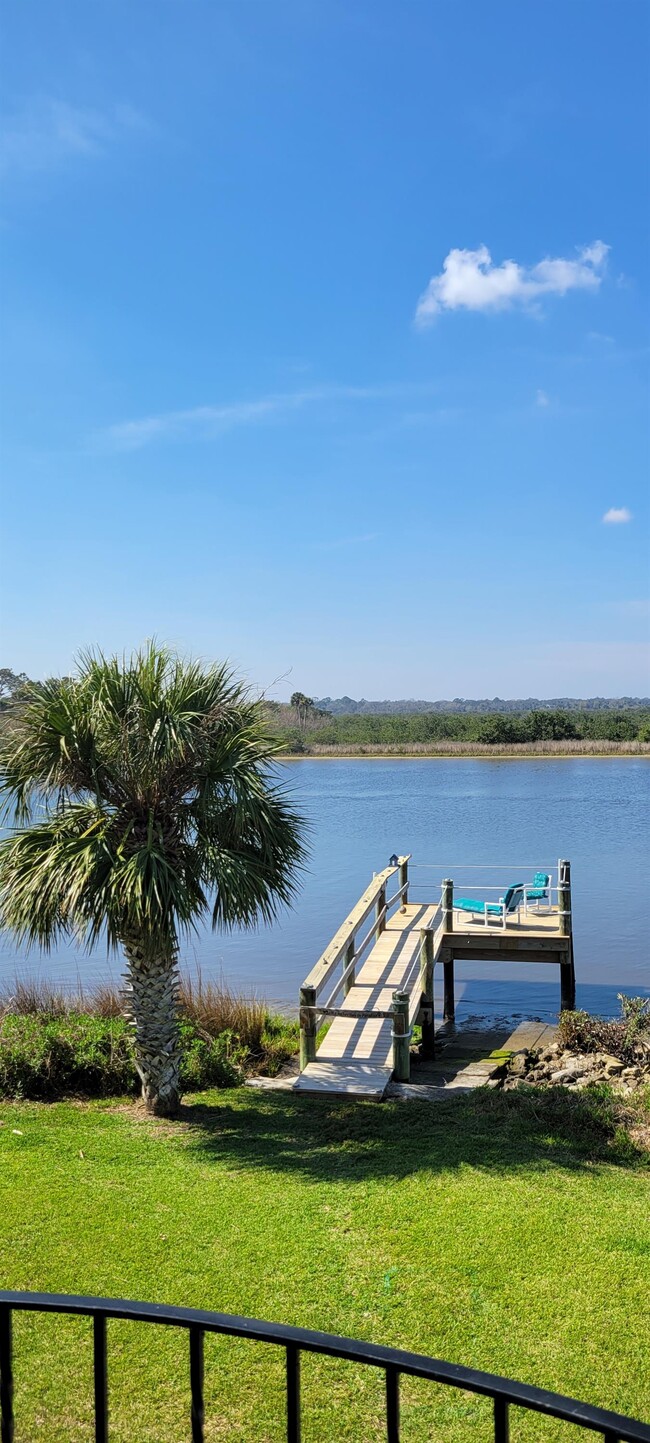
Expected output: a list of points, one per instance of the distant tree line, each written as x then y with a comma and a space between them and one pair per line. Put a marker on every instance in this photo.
314, 725
346, 705
304, 720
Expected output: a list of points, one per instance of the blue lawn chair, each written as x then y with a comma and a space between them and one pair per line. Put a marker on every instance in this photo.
494, 911
539, 892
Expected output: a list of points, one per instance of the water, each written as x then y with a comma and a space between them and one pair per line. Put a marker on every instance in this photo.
522, 814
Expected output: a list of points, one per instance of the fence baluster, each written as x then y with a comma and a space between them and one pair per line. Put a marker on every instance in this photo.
392, 1405
505, 1393
100, 1378
196, 1384
293, 1393
6, 1377
501, 1424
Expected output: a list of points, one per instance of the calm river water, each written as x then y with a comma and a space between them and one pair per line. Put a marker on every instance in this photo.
518, 816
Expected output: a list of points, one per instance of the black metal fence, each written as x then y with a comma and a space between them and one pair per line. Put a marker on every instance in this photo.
505, 1393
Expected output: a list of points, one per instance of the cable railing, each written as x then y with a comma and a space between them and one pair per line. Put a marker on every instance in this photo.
506, 1394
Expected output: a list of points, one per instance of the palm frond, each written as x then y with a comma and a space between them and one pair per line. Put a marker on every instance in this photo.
146, 793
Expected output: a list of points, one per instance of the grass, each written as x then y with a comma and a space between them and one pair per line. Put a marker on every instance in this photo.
468, 749
509, 1231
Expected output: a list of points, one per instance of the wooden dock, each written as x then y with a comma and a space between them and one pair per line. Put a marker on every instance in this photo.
383, 985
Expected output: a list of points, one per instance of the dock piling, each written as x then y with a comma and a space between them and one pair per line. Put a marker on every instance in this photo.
426, 985
401, 1037
567, 968
307, 1026
447, 904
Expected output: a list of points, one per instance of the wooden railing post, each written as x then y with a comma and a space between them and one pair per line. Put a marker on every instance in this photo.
564, 897
401, 1037
348, 959
403, 879
426, 985
379, 909
307, 1026
567, 967
447, 902
449, 1003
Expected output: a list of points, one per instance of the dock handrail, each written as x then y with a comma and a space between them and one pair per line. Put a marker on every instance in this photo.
344, 946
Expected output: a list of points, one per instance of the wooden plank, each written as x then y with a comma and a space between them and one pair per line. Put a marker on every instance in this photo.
507, 941
344, 1078
480, 954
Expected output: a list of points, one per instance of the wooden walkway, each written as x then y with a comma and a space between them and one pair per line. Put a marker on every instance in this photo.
380, 987
356, 1054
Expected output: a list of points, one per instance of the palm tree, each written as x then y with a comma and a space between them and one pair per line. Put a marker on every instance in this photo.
144, 800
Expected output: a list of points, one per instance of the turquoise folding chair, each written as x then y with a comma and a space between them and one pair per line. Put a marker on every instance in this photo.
494, 911
539, 892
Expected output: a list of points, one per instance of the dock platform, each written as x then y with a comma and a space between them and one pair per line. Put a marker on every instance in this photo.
382, 986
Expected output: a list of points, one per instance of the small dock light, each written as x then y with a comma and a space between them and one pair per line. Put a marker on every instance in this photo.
392, 862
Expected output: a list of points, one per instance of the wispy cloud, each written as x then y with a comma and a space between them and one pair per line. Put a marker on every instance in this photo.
542, 398
44, 133
617, 516
470, 280
205, 422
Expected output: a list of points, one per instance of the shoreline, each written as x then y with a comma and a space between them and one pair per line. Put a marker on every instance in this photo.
509, 755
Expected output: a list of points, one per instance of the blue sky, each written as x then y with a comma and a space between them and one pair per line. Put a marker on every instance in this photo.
326, 341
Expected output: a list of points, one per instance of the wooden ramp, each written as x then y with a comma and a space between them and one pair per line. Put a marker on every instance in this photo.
356, 1055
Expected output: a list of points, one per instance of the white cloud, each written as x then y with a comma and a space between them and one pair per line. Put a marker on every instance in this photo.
209, 421
46, 132
542, 398
470, 280
617, 515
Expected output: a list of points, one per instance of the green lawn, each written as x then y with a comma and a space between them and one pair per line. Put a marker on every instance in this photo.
506, 1231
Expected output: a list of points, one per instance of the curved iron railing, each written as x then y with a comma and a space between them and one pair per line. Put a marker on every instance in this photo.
504, 1392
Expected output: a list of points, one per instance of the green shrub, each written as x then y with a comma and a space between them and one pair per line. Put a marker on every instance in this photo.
44, 1056
56, 1053
210, 1061
625, 1037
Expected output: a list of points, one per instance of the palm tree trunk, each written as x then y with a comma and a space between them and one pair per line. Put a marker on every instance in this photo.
151, 1006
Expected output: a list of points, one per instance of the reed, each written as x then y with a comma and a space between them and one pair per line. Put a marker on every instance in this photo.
215, 1008
580, 748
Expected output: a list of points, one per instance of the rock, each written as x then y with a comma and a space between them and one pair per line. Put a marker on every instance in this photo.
518, 1064
613, 1067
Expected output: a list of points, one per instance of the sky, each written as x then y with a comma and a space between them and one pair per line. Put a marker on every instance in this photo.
325, 341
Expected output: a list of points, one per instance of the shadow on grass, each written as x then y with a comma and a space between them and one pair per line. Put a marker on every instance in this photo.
347, 1140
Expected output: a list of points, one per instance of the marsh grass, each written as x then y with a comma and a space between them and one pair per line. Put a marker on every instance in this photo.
567, 748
